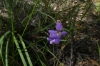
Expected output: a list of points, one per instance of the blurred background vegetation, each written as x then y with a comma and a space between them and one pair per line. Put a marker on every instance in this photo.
24, 26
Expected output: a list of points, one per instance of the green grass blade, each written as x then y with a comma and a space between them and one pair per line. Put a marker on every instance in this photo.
86, 10
38, 57
39, 60
1, 42
52, 54
6, 54
30, 17
19, 51
26, 52
98, 48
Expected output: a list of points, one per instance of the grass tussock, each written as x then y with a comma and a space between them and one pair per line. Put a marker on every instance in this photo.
24, 26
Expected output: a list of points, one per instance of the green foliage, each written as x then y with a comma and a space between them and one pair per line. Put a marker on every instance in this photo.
98, 7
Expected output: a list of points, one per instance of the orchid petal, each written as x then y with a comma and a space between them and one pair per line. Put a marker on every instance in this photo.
59, 26
63, 33
52, 41
57, 41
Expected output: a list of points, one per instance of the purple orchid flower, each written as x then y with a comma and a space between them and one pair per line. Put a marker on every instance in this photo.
55, 35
